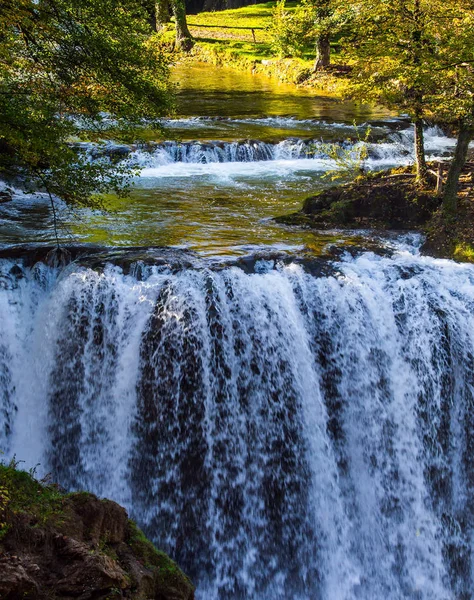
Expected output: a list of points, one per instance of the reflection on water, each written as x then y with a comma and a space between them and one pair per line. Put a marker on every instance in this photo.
210, 91
209, 219
224, 93
222, 208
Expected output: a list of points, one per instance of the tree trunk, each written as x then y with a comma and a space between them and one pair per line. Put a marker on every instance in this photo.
162, 14
420, 160
184, 38
450, 195
323, 52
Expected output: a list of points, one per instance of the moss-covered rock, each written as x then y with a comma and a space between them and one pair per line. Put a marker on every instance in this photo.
388, 200
57, 545
392, 200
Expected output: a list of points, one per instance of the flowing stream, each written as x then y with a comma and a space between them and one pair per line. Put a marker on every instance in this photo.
285, 425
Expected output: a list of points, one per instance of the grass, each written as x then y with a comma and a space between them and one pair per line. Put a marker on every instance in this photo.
21, 492
464, 252
257, 15
221, 39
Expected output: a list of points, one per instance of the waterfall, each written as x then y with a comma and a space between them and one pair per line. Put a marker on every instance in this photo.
282, 431
393, 148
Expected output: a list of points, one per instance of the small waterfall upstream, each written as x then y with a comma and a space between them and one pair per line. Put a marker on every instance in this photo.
392, 148
282, 434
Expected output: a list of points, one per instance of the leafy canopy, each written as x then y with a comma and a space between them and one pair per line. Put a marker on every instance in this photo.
413, 54
69, 71
292, 32
452, 98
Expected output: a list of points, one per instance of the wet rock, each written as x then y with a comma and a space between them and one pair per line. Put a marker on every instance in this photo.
377, 201
86, 574
6, 196
101, 519
14, 579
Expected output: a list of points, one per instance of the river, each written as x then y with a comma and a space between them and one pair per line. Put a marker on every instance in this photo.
285, 421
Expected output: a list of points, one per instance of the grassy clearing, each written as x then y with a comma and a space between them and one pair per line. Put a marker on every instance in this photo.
223, 38
224, 23
226, 38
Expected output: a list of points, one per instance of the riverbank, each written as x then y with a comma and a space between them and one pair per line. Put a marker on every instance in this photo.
390, 200
288, 70
242, 39
57, 545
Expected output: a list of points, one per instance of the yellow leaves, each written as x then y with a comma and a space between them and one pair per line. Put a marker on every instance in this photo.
4, 502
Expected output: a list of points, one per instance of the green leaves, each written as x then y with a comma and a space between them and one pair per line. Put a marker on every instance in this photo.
86, 59
294, 30
408, 54
350, 162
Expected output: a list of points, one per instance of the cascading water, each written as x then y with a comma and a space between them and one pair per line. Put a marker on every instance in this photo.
281, 433
394, 149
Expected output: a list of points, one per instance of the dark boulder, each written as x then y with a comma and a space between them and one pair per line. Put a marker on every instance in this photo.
6, 196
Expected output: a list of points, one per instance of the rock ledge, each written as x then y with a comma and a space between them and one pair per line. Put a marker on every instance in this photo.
76, 546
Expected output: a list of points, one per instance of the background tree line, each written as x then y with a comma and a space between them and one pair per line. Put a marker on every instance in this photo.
416, 56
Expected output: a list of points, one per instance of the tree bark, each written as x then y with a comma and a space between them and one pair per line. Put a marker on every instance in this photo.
162, 14
184, 38
420, 160
323, 50
450, 195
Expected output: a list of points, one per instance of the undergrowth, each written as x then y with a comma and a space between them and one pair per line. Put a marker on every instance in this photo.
21, 491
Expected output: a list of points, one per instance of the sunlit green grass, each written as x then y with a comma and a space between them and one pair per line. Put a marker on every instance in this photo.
256, 15
218, 33
222, 33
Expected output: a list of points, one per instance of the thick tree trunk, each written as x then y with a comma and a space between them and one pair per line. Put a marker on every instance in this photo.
323, 52
420, 160
450, 195
162, 14
184, 38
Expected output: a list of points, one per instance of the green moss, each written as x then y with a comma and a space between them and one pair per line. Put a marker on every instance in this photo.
144, 549
40, 499
167, 572
80, 497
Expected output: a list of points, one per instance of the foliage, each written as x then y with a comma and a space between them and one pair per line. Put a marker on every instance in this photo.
418, 55
20, 491
225, 37
292, 32
464, 252
4, 502
451, 98
411, 54
392, 47
88, 69
350, 161
396, 49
